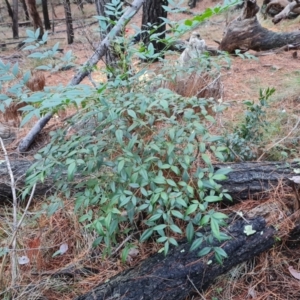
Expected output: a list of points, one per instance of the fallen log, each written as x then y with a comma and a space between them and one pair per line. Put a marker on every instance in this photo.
181, 272
249, 179
246, 33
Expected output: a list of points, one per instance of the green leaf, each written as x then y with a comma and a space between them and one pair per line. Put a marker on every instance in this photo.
205, 220
219, 177
177, 214
219, 216
188, 22
204, 251
172, 133
196, 244
71, 170
154, 217
119, 136
171, 182
173, 241
15, 69
146, 234
175, 228
212, 198
175, 170
166, 248
192, 208
206, 159
162, 239
121, 165
220, 251
159, 180
214, 225
131, 113
190, 231
159, 227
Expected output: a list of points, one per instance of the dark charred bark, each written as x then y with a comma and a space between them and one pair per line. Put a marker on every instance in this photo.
35, 17
69, 21
25, 10
176, 275
15, 21
152, 23
256, 179
246, 33
246, 180
46, 14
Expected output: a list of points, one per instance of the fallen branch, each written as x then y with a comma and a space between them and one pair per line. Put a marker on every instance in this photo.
35, 130
105, 43
291, 7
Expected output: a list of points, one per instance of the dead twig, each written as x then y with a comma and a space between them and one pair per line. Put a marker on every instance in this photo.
16, 224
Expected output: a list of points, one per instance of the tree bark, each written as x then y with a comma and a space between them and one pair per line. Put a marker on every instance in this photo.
69, 22
36, 19
246, 33
178, 274
15, 25
246, 180
25, 10
9, 10
46, 14
153, 11
256, 179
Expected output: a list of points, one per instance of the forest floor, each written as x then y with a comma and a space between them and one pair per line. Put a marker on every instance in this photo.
265, 277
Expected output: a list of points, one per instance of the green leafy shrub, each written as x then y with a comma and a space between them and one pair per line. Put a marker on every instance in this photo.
136, 156
248, 135
143, 157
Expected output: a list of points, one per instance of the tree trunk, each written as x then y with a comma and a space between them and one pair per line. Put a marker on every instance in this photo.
177, 275
15, 25
25, 10
246, 33
246, 180
9, 10
36, 19
69, 22
46, 14
153, 11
